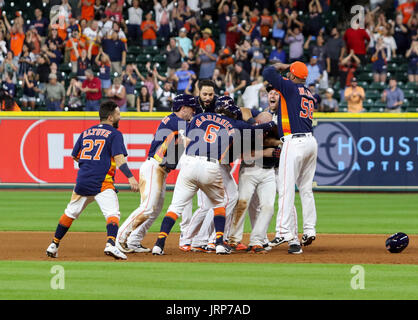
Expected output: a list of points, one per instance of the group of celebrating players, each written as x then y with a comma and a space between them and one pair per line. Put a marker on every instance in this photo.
202, 137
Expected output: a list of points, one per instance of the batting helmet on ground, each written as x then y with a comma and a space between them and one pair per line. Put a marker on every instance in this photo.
226, 105
397, 242
185, 100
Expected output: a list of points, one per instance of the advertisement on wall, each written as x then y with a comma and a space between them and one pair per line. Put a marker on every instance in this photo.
353, 154
374, 154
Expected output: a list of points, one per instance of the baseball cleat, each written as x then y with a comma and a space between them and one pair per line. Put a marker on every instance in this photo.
212, 246
222, 249
204, 249
157, 251
52, 251
295, 249
123, 247
138, 248
267, 247
185, 248
277, 241
307, 240
257, 249
238, 247
114, 252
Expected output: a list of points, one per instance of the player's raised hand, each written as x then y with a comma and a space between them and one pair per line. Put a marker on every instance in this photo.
134, 184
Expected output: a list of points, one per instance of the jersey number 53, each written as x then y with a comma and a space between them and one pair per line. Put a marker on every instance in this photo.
308, 108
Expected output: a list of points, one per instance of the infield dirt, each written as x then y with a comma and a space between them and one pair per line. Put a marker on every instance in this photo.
327, 248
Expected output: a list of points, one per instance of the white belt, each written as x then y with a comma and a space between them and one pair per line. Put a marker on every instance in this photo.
204, 158
296, 135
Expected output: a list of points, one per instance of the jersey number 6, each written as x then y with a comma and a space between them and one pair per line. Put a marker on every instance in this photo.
308, 108
88, 145
210, 135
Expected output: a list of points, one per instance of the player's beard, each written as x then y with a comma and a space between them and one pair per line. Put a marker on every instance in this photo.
116, 124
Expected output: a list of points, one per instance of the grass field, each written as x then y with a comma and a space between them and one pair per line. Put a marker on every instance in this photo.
369, 213
337, 213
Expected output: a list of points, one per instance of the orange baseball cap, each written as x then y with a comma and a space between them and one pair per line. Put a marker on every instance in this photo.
299, 69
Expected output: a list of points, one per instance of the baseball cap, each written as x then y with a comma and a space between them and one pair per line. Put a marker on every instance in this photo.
353, 79
299, 69
207, 30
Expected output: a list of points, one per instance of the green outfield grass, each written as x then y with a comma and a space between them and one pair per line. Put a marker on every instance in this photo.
180, 281
380, 213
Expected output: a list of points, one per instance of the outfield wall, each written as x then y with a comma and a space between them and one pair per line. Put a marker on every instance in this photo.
368, 151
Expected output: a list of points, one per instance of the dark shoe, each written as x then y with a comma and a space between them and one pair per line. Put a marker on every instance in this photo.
277, 241
295, 249
307, 240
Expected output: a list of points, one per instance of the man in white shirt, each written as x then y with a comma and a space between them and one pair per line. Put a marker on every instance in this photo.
250, 96
135, 20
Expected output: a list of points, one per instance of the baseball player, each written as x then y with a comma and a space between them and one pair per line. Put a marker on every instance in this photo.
98, 151
163, 156
196, 234
256, 183
299, 153
210, 136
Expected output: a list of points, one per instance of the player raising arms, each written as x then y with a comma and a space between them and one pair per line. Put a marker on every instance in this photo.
210, 135
164, 154
98, 151
299, 153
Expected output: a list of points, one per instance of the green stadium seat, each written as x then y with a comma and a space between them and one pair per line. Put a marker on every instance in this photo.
409, 94
377, 86
365, 76
134, 50
368, 104
412, 109
374, 109
373, 94
411, 85
379, 105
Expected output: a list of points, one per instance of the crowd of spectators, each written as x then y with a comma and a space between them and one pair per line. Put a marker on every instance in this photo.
227, 41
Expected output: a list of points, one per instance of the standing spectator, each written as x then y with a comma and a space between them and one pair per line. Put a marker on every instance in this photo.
257, 59
99, 10
144, 101
149, 79
412, 55
74, 95
389, 43
329, 104
40, 23
103, 61
224, 17
3, 46
277, 54
91, 34
164, 96
356, 39
8, 86
279, 31
250, 97
407, 9
26, 61
162, 17
334, 51
117, 93
54, 94
354, 95
318, 50
191, 60
315, 22
9, 65
206, 40
393, 96
184, 77
32, 40
54, 54
42, 72
233, 33
17, 36
113, 13
93, 90
348, 66
241, 78
207, 62
379, 62
225, 59
116, 50
83, 63
180, 14
135, 21
54, 70
401, 35
149, 31
30, 89
217, 80
314, 71
184, 42
295, 40
73, 45
266, 23
54, 37
87, 9
129, 80
174, 54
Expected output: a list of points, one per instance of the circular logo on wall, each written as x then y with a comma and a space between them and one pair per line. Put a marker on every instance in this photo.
336, 153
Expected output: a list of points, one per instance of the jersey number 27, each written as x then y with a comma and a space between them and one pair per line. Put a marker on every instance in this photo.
88, 145
308, 108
